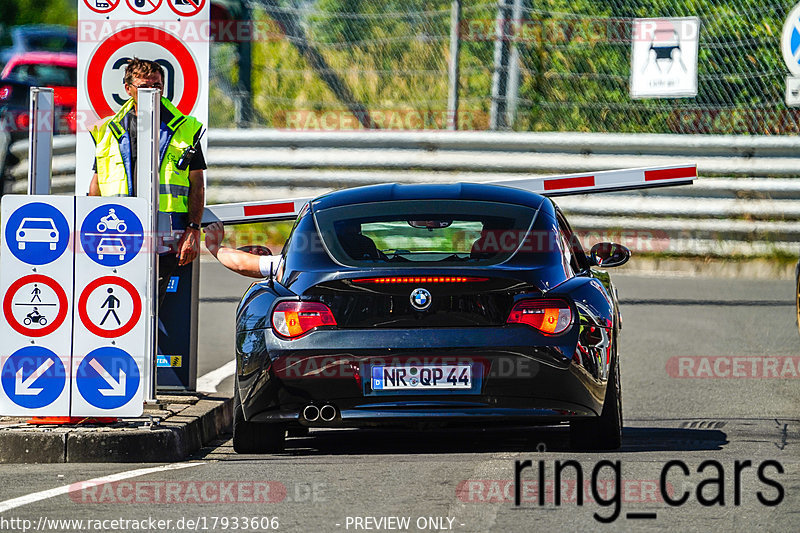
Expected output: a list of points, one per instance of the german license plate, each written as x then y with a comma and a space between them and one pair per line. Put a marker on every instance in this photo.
422, 377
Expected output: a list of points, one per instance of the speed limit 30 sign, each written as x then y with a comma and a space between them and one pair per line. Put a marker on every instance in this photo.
174, 33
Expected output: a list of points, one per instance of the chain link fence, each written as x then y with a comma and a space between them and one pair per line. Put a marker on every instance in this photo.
351, 64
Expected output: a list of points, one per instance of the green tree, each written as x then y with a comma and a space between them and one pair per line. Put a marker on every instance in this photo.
15, 12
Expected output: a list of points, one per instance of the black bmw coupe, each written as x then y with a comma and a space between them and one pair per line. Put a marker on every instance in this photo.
413, 305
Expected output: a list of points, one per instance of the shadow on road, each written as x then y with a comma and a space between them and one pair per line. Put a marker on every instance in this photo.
465, 441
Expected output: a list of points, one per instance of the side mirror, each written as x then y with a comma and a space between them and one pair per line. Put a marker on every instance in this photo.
255, 249
608, 254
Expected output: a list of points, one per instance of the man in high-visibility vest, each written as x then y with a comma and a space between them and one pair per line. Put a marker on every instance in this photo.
182, 190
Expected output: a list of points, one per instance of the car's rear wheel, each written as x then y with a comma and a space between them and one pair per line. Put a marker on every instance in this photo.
605, 431
254, 437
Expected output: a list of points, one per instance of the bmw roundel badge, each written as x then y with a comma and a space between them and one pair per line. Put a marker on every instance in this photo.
420, 299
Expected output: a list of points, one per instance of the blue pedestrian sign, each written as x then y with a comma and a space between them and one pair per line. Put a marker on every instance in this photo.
111, 235
33, 377
108, 378
37, 233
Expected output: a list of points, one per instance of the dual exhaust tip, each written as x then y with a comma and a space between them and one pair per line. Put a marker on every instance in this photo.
326, 413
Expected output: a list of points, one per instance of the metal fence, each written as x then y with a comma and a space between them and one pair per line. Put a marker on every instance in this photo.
350, 64
754, 213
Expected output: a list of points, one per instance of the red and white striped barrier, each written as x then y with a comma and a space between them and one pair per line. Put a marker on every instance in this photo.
605, 181
582, 183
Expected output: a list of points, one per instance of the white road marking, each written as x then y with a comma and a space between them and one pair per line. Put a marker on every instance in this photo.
210, 381
73, 487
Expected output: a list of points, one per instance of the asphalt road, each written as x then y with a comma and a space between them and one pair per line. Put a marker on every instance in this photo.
736, 435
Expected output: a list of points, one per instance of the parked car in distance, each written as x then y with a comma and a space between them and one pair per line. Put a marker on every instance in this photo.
39, 38
49, 69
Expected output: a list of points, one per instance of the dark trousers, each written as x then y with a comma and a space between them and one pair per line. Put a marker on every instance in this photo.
167, 265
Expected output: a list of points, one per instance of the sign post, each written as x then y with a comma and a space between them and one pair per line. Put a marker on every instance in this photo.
147, 188
40, 140
175, 34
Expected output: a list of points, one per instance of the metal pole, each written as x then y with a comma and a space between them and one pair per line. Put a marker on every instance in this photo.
453, 71
148, 122
40, 140
512, 94
497, 117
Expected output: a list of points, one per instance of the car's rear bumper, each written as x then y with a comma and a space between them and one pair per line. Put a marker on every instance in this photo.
529, 377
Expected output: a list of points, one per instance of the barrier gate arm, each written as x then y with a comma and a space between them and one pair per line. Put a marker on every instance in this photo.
561, 185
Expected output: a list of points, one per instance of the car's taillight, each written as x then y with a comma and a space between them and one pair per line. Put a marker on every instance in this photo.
549, 316
23, 121
292, 319
5, 92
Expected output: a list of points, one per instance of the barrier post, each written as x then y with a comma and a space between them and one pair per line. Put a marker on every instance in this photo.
40, 140
148, 121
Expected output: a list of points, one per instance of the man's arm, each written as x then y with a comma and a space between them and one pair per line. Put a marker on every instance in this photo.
189, 245
94, 186
236, 260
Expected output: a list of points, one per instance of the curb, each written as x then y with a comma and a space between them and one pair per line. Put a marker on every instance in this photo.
175, 429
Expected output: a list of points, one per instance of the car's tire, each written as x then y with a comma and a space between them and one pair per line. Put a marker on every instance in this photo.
605, 431
20, 245
252, 437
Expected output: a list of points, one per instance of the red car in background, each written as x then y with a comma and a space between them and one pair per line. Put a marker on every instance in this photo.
49, 69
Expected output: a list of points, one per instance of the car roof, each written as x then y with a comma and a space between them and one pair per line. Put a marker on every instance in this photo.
61, 59
457, 191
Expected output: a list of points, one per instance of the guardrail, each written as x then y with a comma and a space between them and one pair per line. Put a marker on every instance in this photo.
752, 211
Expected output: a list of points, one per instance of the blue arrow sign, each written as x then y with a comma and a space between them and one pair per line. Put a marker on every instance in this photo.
33, 377
108, 378
37, 233
111, 235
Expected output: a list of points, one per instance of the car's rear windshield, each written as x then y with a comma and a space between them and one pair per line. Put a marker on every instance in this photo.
424, 232
52, 42
53, 75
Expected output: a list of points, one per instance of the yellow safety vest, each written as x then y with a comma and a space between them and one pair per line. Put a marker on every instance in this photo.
114, 164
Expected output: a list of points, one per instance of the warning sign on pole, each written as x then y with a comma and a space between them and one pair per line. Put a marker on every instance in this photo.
664, 57
36, 266
92, 251
174, 33
111, 284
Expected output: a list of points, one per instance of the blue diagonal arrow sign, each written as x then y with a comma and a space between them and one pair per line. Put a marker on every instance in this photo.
33, 377
108, 378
